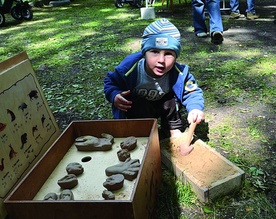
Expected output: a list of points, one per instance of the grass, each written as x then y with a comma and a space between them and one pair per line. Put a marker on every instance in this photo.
72, 47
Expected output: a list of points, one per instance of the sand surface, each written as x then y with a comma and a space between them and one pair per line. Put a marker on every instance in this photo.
90, 182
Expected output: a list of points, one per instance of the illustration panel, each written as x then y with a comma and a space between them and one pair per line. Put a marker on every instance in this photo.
27, 126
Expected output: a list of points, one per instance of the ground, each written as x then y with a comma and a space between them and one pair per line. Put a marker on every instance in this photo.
230, 120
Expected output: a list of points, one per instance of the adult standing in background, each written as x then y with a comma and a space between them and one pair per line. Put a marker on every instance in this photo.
216, 27
250, 10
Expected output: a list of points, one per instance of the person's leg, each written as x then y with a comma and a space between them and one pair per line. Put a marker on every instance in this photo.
251, 6
234, 6
213, 7
250, 11
165, 109
170, 116
199, 16
216, 27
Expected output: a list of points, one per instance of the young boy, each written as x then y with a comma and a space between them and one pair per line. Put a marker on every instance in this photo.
151, 84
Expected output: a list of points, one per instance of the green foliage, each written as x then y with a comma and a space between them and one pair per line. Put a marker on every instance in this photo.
258, 178
173, 197
207, 210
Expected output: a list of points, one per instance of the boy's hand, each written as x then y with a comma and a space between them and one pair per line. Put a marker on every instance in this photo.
121, 103
195, 116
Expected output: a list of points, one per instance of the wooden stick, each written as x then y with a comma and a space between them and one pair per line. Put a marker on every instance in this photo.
190, 134
186, 148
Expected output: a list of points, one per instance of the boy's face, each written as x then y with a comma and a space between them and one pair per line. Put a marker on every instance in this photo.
159, 62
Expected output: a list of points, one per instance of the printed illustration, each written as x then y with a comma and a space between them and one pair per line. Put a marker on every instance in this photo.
25, 129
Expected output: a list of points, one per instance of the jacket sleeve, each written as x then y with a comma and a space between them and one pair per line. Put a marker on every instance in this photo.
113, 85
117, 81
187, 90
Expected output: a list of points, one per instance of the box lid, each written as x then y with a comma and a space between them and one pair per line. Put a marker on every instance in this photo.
27, 125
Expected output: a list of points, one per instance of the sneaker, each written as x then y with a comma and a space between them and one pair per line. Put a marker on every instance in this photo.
234, 15
201, 35
216, 37
251, 16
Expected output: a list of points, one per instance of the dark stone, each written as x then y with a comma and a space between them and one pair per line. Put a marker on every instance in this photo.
114, 182
68, 182
129, 143
74, 168
123, 154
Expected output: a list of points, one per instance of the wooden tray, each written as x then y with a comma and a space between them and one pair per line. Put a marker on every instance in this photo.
210, 174
23, 203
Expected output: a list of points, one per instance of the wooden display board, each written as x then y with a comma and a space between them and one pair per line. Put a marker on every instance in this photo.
27, 126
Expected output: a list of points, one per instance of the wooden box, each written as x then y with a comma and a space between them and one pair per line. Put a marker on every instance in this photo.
22, 204
210, 174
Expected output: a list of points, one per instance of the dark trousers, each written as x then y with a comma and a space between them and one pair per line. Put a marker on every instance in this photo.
165, 109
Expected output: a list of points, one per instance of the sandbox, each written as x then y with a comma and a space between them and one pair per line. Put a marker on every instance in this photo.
210, 174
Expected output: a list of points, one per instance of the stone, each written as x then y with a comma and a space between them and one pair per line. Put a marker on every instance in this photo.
114, 182
91, 143
123, 154
108, 195
51, 196
108, 136
129, 143
68, 182
74, 168
129, 169
67, 195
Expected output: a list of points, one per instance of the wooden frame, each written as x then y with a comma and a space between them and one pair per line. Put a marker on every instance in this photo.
20, 203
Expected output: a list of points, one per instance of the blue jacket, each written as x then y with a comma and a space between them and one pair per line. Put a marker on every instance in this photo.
124, 78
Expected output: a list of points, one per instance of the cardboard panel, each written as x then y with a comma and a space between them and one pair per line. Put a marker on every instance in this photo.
27, 126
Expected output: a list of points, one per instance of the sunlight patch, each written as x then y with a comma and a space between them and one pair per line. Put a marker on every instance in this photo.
121, 16
132, 45
106, 10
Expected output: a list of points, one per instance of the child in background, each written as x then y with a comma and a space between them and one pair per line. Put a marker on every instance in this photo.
151, 84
